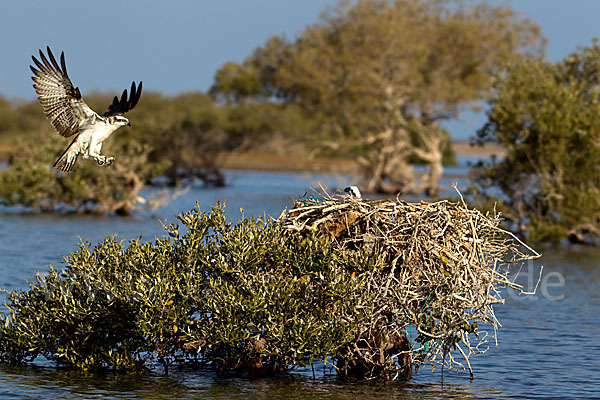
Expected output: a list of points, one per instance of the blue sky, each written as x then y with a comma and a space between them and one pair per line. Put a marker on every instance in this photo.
173, 46
176, 46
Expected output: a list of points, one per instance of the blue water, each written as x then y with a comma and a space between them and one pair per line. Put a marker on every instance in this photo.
548, 346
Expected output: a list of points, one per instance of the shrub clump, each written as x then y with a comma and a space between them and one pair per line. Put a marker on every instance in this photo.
30, 181
546, 115
341, 281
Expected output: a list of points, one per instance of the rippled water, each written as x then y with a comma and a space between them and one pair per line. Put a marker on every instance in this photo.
548, 346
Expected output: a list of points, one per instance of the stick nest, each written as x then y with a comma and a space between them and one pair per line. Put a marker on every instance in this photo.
441, 268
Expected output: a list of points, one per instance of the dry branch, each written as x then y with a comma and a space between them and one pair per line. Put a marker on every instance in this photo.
441, 268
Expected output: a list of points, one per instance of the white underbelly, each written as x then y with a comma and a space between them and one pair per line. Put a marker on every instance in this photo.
93, 135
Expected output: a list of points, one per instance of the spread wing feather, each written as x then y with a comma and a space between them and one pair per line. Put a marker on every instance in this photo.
61, 101
120, 107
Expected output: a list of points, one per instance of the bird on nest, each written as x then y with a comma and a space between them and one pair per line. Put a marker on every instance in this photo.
353, 192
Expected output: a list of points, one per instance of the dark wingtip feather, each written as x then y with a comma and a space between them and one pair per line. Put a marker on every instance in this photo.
53, 60
135, 94
127, 101
63, 63
38, 63
43, 57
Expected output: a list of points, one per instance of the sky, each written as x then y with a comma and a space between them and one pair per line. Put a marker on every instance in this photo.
177, 45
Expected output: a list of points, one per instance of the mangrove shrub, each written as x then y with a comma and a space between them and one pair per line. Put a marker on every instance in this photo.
547, 116
30, 181
250, 296
259, 297
380, 76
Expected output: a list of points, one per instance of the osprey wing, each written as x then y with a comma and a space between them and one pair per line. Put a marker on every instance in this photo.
62, 103
120, 107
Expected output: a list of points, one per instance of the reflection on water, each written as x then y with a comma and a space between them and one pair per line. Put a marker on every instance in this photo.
37, 382
548, 344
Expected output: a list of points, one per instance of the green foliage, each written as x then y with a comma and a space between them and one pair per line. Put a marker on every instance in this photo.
181, 137
235, 82
268, 127
184, 132
8, 119
379, 75
259, 297
547, 116
371, 81
30, 180
231, 294
185, 136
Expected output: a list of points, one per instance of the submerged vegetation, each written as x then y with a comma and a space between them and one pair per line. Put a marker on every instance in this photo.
372, 288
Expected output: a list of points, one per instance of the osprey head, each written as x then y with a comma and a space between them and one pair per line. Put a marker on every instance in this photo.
354, 192
119, 120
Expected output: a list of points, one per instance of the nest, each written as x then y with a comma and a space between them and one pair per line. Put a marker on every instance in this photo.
442, 268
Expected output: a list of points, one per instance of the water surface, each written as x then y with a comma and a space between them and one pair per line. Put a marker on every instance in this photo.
548, 346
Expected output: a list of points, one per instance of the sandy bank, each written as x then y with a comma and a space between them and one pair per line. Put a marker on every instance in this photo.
300, 163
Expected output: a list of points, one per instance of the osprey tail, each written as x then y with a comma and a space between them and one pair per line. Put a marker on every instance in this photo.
67, 159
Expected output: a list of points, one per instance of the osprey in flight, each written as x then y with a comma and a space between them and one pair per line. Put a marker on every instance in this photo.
65, 108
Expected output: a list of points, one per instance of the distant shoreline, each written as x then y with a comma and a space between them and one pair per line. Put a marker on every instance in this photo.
464, 148
302, 163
